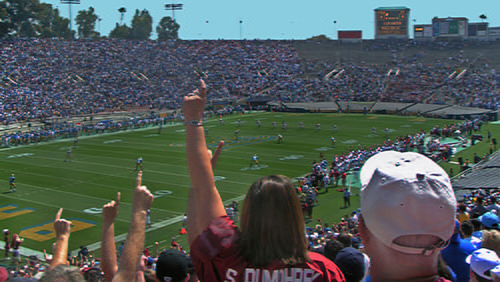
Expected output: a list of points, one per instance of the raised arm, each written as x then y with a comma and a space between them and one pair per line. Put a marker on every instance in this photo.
62, 228
108, 249
141, 202
204, 204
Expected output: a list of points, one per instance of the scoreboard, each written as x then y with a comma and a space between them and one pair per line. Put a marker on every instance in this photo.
391, 22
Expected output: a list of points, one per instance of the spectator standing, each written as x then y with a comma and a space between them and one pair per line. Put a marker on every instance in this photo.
467, 229
219, 251
408, 213
491, 240
83, 252
172, 265
489, 220
344, 178
352, 264
494, 205
332, 248
483, 263
462, 214
479, 209
16, 244
455, 254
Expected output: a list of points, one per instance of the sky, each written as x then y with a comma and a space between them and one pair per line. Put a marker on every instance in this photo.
278, 19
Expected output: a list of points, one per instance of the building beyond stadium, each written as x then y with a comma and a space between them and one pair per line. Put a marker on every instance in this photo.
394, 23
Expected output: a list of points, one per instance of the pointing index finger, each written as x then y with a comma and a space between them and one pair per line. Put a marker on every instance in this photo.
203, 89
138, 179
118, 196
58, 214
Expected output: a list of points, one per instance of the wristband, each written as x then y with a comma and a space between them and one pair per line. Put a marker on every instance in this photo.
193, 123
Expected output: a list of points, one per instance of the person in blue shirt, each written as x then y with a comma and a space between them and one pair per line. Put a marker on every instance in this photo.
12, 183
138, 164
455, 253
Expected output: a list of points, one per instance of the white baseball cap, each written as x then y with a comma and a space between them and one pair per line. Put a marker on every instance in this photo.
483, 260
407, 194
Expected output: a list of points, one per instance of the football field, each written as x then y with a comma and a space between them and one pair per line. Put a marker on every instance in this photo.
103, 165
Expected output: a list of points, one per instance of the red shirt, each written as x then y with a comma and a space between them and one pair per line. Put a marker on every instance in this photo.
216, 257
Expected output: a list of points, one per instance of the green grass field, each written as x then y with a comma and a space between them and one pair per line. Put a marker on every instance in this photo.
105, 164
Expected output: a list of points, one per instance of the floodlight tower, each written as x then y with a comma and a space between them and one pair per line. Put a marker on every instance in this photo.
70, 2
241, 29
173, 8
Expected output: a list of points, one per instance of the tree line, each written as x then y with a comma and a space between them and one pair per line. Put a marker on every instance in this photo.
30, 18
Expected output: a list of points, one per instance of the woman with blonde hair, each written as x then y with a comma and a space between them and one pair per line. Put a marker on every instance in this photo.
271, 244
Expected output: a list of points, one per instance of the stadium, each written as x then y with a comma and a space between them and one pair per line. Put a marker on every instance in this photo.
78, 115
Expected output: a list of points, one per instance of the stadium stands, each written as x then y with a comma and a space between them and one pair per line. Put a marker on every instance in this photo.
46, 82
485, 175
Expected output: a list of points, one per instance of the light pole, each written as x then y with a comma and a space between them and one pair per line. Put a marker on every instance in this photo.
70, 2
241, 29
173, 8
335, 30
414, 23
207, 29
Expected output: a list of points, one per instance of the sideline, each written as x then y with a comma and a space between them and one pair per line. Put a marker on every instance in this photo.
89, 136
172, 124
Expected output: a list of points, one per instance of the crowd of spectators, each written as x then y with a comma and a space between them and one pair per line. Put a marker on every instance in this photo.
340, 242
351, 161
473, 248
414, 82
39, 83
476, 229
45, 78
329, 239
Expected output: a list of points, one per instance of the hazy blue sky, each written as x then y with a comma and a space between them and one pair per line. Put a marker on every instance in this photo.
279, 19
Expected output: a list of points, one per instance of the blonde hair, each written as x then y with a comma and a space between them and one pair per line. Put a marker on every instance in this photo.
491, 240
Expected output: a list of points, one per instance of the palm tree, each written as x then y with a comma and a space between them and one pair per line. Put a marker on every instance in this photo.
122, 11
483, 17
